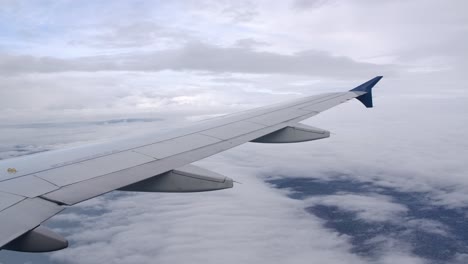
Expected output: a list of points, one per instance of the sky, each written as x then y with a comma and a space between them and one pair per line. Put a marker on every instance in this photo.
75, 72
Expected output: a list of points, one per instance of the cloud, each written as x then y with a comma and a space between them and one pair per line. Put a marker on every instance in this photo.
306, 4
85, 96
240, 11
428, 226
200, 57
134, 35
373, 207
250, 43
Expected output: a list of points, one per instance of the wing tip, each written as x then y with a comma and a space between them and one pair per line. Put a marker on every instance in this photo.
367, 86
366, 98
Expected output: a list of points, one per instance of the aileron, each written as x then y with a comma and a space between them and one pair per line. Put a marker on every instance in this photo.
93, 168
27, 186
8, 199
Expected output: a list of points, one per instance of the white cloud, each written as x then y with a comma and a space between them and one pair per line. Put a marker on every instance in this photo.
368, 207
428, 226
402, 258
201, 57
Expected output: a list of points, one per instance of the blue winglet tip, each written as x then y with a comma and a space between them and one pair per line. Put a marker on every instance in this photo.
366, 99
367, 86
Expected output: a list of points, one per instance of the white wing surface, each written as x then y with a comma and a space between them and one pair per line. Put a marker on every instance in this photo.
34, 188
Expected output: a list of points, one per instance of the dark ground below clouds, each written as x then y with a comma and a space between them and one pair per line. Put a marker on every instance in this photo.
368, 237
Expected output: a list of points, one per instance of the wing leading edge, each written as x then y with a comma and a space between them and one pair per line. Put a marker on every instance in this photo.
36, 187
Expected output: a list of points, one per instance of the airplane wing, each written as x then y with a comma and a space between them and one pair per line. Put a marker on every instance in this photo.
34, 188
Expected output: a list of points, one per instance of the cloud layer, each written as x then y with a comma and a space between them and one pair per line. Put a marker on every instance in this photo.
201, 57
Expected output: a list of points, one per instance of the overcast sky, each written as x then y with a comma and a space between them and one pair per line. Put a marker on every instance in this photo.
173, 62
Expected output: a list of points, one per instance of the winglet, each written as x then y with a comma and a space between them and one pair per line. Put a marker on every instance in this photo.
366, 87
